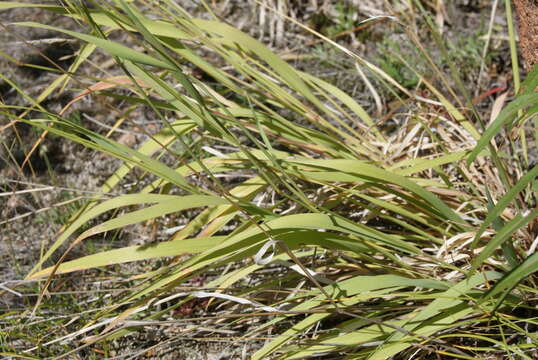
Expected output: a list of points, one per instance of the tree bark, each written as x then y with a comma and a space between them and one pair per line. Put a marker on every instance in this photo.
527, 13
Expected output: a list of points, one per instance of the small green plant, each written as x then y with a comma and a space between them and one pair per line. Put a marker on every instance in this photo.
467, 52
393, 60
330, 26
346, 19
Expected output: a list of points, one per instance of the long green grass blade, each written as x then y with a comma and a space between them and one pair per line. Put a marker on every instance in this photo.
133, 253
506, 117
504, 202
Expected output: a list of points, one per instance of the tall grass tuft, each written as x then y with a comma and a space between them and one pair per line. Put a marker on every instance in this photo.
309, 228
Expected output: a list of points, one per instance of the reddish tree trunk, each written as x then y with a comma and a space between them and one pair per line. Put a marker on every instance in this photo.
527, 12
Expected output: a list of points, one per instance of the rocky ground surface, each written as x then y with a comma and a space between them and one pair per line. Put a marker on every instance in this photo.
38, 197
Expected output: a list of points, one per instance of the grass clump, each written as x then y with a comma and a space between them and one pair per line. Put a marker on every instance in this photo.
305, 228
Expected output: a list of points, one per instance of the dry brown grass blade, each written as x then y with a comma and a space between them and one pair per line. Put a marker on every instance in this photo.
103, 85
